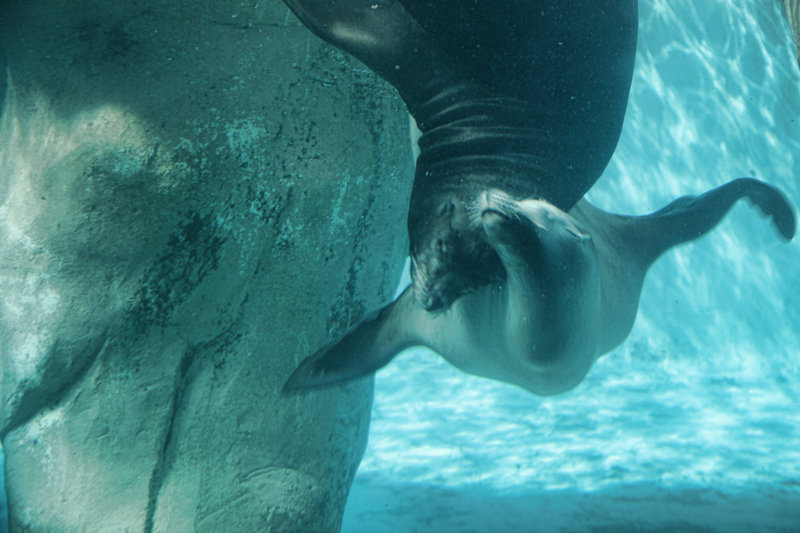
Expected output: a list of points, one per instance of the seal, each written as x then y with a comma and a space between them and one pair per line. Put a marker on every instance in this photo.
570, 291
523, 96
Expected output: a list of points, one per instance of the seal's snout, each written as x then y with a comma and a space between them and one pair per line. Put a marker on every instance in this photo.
435, 291
425, 294
494, 223
494, 200
498, 211
432, 302
498, 202
491, 217
429, 299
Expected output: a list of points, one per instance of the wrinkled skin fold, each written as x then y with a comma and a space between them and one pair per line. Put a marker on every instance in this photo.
536, 113
570, 293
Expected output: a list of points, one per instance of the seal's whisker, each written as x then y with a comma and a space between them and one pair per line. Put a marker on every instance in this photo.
474, 208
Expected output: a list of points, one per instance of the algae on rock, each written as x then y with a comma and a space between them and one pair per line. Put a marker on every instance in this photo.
193, 197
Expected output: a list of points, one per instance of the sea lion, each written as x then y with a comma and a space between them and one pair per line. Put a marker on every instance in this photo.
570, 293
523, 96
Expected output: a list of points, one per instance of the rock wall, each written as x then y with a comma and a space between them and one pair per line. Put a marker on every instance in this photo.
3, 507
193, 196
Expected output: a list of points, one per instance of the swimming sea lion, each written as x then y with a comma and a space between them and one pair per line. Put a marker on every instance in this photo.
570, 291
524, 96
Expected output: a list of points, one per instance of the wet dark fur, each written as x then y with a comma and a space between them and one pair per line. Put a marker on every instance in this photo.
523, 96
570, 294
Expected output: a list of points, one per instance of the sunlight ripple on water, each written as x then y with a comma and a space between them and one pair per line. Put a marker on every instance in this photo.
701, 401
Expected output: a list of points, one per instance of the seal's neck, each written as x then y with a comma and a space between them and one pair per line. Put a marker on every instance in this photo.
474, 138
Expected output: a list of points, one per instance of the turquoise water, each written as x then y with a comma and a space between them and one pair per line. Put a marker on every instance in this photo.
694, 423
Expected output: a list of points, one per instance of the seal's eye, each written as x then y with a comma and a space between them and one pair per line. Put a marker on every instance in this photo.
447, 208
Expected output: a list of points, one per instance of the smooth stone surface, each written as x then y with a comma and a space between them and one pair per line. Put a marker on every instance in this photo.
3, 504
193, 196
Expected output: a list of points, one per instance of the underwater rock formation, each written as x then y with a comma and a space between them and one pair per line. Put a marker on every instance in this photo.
3, 507
177, 230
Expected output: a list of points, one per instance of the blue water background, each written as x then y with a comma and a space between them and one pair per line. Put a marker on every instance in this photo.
693, 424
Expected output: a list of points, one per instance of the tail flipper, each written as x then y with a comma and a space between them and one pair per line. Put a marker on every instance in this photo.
361, 351
690, 217
386, 38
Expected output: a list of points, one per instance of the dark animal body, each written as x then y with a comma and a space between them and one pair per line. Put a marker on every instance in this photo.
570, 294
520, 103
522, 96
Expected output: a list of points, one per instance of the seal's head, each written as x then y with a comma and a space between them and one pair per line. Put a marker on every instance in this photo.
519, 224
450, 256
455, 244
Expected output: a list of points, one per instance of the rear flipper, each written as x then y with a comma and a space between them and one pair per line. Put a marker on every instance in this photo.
361, 351
386, 38
690, 217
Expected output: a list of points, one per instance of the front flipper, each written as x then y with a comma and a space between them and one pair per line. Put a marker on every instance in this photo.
361, 351
690, 217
